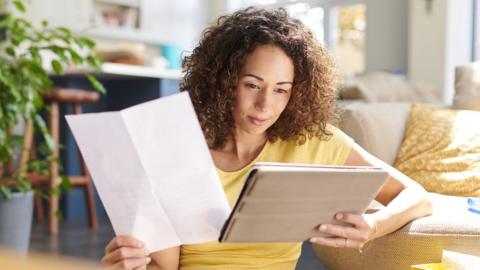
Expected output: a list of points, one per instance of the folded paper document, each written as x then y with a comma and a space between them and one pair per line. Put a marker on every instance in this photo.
287, 202
153, 171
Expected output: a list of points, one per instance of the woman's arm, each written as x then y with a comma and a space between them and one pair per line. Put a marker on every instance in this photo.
404, 200
167, 259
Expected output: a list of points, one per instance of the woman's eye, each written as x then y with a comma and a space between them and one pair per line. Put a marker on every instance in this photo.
252, 86
281, 91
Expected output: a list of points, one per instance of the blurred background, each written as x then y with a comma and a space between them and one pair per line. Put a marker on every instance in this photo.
407, 48
420, 39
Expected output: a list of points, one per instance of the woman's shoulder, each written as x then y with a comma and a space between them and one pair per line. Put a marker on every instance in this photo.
331, 134
331, 139
337, 133
327, 149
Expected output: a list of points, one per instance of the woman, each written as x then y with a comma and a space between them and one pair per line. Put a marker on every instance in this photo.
264, 90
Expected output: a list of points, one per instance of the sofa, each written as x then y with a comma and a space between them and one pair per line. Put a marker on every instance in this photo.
379, 128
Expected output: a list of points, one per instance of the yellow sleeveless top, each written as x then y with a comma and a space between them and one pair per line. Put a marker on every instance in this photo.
213, 255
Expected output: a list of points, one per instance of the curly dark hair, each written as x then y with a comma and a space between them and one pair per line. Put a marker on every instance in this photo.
212, 72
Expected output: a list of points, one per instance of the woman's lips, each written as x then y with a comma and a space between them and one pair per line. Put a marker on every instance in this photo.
257, 121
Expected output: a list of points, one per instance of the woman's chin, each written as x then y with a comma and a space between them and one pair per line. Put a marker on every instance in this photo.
255, 130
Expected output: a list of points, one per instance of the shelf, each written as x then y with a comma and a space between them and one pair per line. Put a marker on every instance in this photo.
123, 34
124, 70
125, 3
140, 71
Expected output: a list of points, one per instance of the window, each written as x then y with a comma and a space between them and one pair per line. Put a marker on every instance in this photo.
313, 18
339, 24
349, 38
476, 31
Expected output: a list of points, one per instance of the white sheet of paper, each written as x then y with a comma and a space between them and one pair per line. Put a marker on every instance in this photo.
153, 171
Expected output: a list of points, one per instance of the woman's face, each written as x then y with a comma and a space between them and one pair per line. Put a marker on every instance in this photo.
263, 90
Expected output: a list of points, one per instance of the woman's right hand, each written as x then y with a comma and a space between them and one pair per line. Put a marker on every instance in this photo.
125, 253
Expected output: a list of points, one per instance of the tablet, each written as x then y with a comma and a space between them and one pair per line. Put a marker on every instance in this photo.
283, 202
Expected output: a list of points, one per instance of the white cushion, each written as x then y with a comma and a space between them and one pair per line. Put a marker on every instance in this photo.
467, 87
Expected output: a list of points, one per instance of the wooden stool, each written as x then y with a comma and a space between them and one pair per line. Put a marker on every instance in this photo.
54, 98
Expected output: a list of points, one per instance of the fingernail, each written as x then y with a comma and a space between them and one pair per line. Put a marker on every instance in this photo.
313, 241
149, 259
339, 216
323, 228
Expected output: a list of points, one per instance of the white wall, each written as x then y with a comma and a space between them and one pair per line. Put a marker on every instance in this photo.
60, 12
387, 35
427, 42
459, 41
180, 22
177, 22
439, 41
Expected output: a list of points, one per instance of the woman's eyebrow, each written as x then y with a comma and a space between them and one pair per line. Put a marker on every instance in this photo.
261, 79
255, 76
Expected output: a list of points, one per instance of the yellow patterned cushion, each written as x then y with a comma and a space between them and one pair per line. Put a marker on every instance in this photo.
441, 150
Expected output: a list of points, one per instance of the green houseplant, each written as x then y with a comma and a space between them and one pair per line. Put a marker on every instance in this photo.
26, 52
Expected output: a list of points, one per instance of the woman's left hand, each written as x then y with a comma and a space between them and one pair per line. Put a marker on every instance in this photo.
344, 236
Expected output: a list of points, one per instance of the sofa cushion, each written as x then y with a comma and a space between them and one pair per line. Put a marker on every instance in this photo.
377, 127
441, 150
386, 87
467, 87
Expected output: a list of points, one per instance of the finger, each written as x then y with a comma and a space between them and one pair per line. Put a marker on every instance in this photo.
144, 267
123, 241
354, 219
337, 242
352, 243
341, 231
131, 264
124, 253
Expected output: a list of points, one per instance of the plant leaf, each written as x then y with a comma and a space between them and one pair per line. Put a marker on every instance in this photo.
86, 42
5, 191
19, 5
65, 30
24, 185
57, 67
35, 54
44, 130
2, 136
10, 51
77, 59
55, 191
94, 62
60, 52
65, 183
96, 84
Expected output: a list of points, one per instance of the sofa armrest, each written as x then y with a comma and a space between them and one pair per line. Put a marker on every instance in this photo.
451, 227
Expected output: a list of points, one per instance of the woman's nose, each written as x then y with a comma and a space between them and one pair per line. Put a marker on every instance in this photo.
262, 101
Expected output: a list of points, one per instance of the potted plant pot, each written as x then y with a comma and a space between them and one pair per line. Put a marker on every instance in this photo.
16, 221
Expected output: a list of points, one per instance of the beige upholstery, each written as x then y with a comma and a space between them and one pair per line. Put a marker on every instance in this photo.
467, 87
386, 87
451, 227
379, 129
